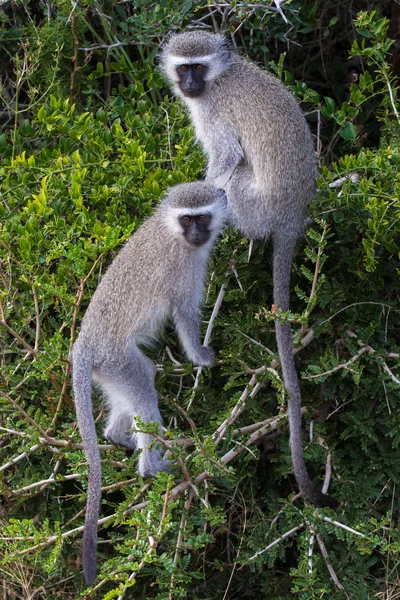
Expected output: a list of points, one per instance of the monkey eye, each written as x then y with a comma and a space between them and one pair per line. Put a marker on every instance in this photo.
187, 219
200, 217
199, 67
183, 68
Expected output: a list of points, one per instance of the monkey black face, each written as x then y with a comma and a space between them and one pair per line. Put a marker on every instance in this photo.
196, 229
191, 79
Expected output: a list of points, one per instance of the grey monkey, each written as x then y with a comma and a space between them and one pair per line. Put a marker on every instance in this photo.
260, 152
158, 275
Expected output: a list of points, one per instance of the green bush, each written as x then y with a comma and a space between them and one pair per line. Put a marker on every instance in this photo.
75, 182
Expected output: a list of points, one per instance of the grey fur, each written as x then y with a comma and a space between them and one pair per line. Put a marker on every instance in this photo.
260, 152
156, 276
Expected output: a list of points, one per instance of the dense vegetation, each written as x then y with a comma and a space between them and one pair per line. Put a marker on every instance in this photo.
90, 139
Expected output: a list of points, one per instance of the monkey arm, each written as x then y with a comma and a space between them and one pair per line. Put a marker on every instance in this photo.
224, 153
186, 321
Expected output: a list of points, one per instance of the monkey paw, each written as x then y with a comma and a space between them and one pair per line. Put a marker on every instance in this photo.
206, 357
127, 441
149, 466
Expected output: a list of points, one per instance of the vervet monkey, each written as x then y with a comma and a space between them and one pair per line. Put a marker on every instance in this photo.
261, 153
158, 275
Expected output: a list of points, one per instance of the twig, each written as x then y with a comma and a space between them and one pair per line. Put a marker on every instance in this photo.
117, 44
237, 409
337, 524
356, 304
19, 457
328, 474
364, 350
182, 527
37, 318
389, 372
46, 482
272, 544
328, 564
188, 419
74, 58
14, 432
392, 102
26, 416
311, 549
258, 344
207, 337
3, 322
318, 262
153, 543
256, 435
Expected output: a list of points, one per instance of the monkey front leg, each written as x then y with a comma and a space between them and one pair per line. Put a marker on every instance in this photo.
186, 320
224, 155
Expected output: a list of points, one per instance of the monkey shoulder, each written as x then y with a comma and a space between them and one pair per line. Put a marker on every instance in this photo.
262, 95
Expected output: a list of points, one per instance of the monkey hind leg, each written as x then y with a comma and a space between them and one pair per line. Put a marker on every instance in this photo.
130, 393
119, 419
247, 206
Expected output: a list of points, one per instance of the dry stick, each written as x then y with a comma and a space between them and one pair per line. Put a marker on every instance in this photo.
207, 337
341, 525
47, 440
393, 103
258, 343
328, 473
392, 375
55, 471
11, 331
26, 416
241, 403
238, 408
256, 435
364, 350
188, 419
239, 548
311, 549
20, 457
46, 482
14, 432
351, 334
356, 304
37, 317
328, 564
182, 527
153, 543
272, 544
253, 426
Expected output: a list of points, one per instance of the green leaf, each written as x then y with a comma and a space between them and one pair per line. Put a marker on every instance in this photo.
349, 132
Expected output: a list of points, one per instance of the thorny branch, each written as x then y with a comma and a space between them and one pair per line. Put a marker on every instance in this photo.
176, 491
365, 349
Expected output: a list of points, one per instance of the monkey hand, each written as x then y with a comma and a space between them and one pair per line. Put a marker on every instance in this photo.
205, 357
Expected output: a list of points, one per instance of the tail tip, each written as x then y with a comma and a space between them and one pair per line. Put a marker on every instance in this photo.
325, 501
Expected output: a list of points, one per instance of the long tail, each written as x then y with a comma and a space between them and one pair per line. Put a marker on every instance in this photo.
283, 255
82, 383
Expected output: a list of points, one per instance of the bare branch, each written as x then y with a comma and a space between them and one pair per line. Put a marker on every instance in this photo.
272, 544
